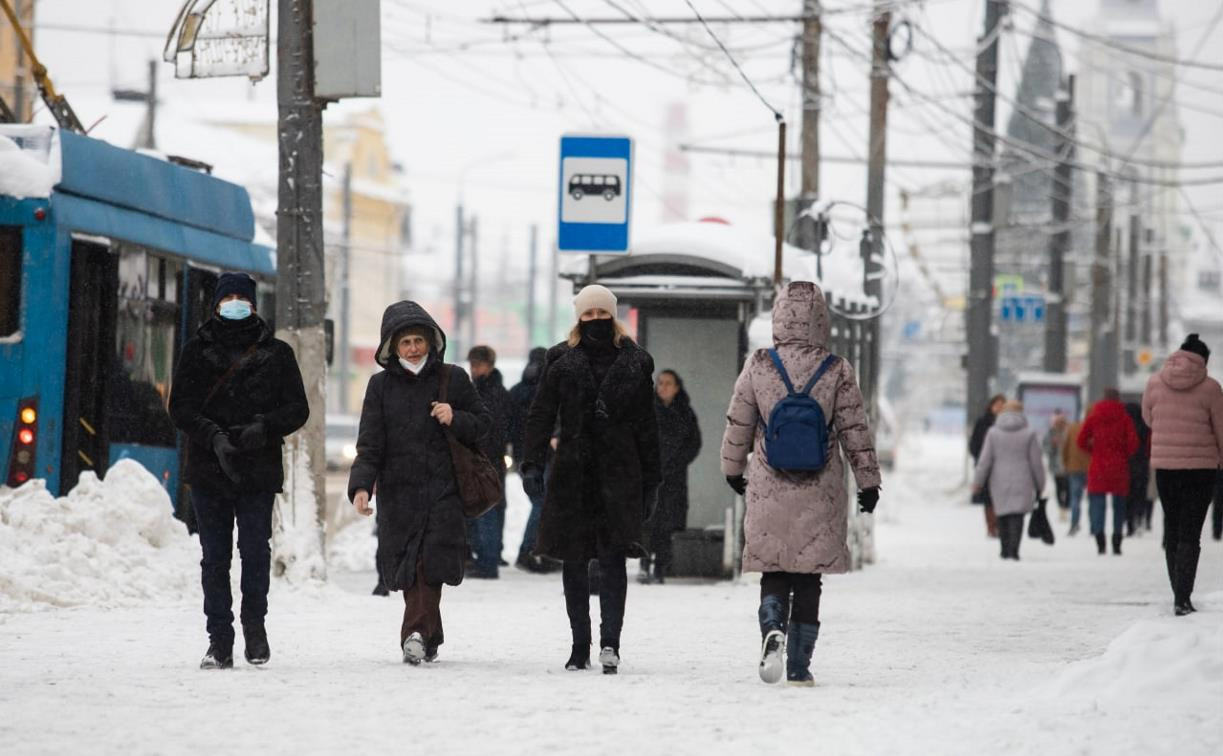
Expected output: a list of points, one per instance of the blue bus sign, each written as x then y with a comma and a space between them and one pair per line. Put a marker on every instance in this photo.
594, 202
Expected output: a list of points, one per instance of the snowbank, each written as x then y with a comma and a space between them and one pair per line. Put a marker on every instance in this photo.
106, 543
1173, 660
29, 161
353, 546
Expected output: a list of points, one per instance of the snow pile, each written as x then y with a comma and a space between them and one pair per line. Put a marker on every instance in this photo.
106, 543
1170, 660
29, 161
297, 546
353, 546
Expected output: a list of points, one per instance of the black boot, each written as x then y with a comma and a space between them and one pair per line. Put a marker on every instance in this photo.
643, 573
1100, 548
220, 655
800, 644
255, 638
772, 614
1117, 543
1186, 573
579, 657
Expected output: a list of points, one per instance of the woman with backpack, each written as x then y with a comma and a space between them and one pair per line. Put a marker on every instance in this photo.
796, 522
1011, 466
597, 397
403, 453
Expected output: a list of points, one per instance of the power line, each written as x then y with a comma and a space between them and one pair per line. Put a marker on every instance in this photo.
776, 114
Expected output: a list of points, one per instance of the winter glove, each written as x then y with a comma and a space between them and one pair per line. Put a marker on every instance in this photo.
737, 482
252, 435
867, 499
532, 480
223, 448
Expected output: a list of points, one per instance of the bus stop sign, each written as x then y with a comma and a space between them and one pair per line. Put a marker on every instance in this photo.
595, 199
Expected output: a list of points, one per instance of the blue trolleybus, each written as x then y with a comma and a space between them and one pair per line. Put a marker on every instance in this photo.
101, 284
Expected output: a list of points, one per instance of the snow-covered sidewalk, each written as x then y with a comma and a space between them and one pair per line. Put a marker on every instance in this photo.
939, 648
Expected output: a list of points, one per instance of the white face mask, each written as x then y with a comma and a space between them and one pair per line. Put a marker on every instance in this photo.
414, 368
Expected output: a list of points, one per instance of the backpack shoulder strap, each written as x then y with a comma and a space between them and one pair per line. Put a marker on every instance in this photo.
781, 369
819, 372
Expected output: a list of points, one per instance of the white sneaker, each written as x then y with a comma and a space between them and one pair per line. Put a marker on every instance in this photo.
414, 649
773, 656
610, 660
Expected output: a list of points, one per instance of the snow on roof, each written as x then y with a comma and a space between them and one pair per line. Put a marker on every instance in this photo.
29, 160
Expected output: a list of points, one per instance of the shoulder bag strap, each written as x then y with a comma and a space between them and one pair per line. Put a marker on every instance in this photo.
443, 372
228, 374
781, 369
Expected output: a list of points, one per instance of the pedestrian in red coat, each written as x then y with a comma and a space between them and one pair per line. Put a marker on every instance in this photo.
1108, 434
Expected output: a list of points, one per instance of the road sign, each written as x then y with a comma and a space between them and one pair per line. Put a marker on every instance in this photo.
595, 194
1025, 308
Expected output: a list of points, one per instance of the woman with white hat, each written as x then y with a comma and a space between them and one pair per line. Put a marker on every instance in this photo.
596, 397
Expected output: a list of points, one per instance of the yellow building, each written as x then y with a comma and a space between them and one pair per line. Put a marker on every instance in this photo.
16, 85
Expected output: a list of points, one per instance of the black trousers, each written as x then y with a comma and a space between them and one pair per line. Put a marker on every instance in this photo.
805, 588
1061, 484
215, 516
1216, 513
1010, 533
1185, 495
613, 588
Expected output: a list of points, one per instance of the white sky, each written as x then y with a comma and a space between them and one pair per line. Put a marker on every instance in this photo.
492, 113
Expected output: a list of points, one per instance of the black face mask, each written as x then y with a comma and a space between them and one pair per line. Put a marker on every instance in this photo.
598, 332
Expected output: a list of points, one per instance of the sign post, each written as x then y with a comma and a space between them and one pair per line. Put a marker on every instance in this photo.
595, 194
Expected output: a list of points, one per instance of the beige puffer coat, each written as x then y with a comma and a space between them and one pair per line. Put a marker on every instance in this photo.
797, 522
1184, 408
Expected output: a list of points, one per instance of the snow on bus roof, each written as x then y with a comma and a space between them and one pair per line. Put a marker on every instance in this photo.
29, 160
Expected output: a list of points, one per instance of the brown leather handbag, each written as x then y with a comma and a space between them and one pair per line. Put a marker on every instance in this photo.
479, 482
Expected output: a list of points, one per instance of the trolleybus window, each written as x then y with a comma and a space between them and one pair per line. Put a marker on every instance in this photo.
146, 326
10, 280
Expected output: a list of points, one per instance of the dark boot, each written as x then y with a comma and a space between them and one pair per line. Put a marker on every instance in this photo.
1170, 561
220, 655
643, 573
579, 657
1117, 544
255, 638
800, 644
772, 614
1100, 547
1186, 573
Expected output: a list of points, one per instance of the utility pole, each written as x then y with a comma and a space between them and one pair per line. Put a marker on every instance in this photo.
1059, 242
19, 105
146, 138
809, 187
473, 285
875, 183
531, 287
981, 355
460, 229
1131, 294
300, 283
1147, 260
1102, 364
1163, 298
345, 263
553, 274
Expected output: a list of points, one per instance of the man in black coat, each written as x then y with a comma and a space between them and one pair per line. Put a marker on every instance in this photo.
521, 397
488, 531
403, 456
236, 394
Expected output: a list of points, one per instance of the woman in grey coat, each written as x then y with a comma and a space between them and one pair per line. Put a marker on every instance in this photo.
1011, 463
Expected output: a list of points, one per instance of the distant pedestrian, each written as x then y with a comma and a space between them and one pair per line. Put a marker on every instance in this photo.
237, 392
976, 443
796, 523
597, 398
403, 455
521, 397
1184, 408
679, 442
1011, 466
488, 530
1055, 439
1075, 461
1109, 435
1138, 505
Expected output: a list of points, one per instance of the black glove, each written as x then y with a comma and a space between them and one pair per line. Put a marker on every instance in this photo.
223, 448
252, 435
737, 482
867, 499
532, 480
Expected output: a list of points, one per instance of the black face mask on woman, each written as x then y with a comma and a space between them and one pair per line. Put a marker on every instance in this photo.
598, 332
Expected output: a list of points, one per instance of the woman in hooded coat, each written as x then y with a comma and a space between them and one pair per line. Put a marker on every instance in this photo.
403, 454
679, 438
796, 523
597, 394
1184, 408
1109, 435
1011, 466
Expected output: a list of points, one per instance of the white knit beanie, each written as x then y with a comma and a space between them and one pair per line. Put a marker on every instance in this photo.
594, 296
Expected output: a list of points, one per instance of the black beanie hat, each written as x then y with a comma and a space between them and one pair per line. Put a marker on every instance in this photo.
1196, 345
234, 283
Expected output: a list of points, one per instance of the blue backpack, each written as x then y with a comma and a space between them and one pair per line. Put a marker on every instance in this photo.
796, 436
